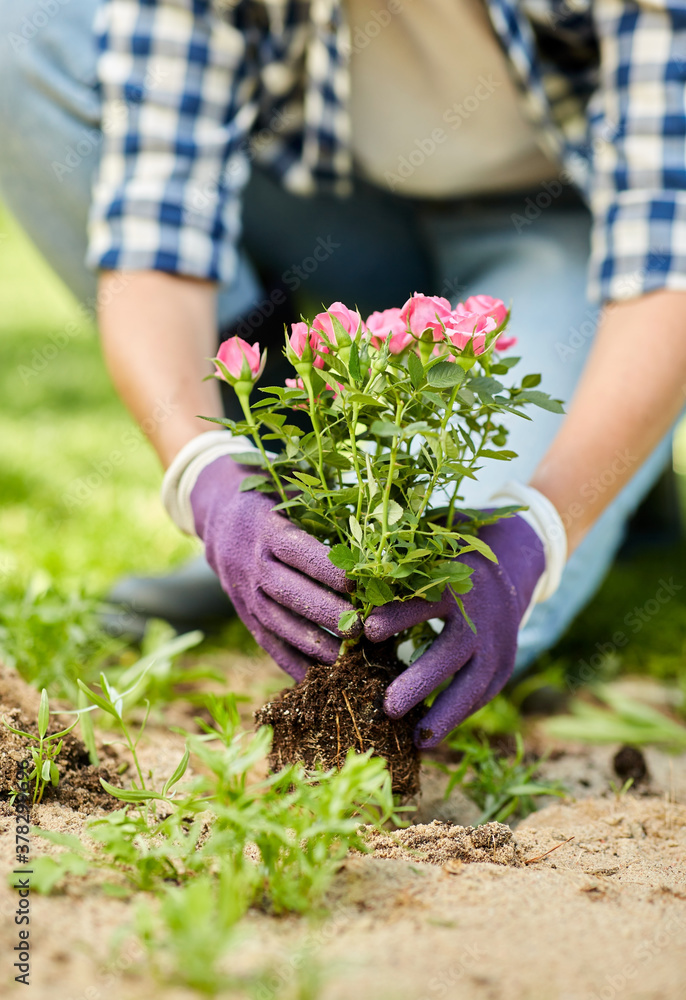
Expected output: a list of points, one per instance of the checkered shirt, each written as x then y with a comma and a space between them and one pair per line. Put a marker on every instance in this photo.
193, 92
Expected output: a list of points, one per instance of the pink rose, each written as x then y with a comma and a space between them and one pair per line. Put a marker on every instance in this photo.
389, 325
349, 319
299, 339
425, 312
463, 326
504, 343
234, 353
385, 324
486, 305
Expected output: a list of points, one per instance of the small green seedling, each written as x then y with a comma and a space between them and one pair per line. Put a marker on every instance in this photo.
620, 792
45, 755
501, 788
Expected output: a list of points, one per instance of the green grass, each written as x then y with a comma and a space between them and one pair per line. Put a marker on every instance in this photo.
59, 514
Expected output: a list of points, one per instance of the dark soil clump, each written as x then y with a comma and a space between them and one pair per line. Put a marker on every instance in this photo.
341, 706
629, 762
79, 786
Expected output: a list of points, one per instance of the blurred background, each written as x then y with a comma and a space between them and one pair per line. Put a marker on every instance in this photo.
79, 504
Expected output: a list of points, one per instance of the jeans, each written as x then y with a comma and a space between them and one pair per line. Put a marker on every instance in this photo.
373, 249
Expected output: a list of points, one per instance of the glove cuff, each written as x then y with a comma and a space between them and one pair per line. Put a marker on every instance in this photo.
547, 523
182, 474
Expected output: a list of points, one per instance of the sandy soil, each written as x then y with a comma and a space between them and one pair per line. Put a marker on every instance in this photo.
603, 916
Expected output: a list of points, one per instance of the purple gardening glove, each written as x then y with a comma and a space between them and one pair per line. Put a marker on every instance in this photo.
278, 577
481, 663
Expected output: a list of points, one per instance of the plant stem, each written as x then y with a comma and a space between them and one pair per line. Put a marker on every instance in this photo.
389, 483
317, 431
316, 427
132, 748
244, 399
356, 461
458, 484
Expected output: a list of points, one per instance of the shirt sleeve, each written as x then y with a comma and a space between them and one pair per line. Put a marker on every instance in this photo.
638, 128
178, 101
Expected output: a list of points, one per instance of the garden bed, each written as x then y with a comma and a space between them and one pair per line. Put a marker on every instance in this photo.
606, 909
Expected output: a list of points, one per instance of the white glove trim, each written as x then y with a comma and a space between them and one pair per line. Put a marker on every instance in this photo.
547, 523
182, 474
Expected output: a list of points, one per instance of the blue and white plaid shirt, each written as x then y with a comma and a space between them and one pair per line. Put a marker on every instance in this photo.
194, 91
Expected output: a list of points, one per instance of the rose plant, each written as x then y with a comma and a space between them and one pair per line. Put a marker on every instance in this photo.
404, 406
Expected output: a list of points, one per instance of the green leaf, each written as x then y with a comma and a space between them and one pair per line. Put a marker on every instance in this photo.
249, 458
342, 557
377, 592
533, 788
251, 483
445, 375
529, 381
97, 699
418, 427
54, 774
341, 335
480, 546
541, 399
47, 871
45, 771
456, 571
309, 480
395, 512
384, 428
508, 363
355, 529
433, 399
504, 456
354, 363
336, 460
363, 399
178, 773
62, 732
416, 370
347, 620
130, 794
43, 714
19, 732
485, 384
69, 840
422, 648
466, 617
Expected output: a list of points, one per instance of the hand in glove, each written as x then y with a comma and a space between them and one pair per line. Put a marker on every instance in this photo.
481, 662
278, 577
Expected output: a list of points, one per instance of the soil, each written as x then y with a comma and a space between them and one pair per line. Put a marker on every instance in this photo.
602, 917
439, 843
340, 707
79, 785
